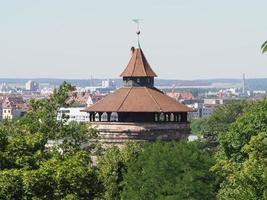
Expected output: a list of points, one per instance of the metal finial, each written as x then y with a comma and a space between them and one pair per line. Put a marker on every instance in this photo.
137, 21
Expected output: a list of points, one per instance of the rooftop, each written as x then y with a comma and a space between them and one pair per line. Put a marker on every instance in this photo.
138, 65
138, 99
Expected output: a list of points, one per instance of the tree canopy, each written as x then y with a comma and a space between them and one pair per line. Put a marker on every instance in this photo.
219, 122
264, 47
113, 165
31, 170
169, 171
241, 158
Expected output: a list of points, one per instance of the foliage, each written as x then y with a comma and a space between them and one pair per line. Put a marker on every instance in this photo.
241, 159
249, 180
169, 171
264, 47
111, 167
26, 151
197, 126
252, 122
11, 184
61, 177
220, 121
56, 178
31, 170
42, 114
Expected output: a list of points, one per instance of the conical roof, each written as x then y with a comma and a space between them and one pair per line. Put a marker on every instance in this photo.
138, 99
138, 65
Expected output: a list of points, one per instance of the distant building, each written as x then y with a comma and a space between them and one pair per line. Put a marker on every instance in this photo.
213, 102
5, 89
259, 94
204, 108
32, 86
181, 96
73, 114
81, 99
207, 111
108, 84
97, 97
13, 107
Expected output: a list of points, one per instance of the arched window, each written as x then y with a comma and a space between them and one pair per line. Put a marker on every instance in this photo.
172, 117
167, 117
97, 117
104, 117
161, 117
114, 117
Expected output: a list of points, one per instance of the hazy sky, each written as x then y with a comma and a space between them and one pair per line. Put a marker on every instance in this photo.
182, 39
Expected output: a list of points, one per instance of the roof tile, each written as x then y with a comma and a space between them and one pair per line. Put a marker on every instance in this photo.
138, 99
138, 66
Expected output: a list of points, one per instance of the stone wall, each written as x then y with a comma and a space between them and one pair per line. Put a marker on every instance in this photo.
119, 132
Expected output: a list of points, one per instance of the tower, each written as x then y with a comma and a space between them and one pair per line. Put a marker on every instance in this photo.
138, 111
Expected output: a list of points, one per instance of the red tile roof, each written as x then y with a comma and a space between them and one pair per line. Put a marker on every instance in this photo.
181, 95
138, 99
138, 66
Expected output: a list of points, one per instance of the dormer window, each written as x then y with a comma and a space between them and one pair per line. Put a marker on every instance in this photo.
138, 80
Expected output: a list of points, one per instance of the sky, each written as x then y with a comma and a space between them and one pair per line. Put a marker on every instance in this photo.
182, 39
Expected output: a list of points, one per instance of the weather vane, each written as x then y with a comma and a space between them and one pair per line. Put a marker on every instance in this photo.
137, 21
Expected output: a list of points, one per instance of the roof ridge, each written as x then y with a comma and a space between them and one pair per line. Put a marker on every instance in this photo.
134, 62
153, 99
124, 98
138, 65
142, 59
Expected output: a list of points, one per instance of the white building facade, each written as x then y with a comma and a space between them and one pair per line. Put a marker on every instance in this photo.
74, 114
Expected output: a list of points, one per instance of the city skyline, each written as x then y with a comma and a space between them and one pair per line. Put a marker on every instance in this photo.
78, 40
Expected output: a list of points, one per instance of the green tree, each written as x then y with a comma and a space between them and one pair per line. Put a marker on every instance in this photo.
220, 121
169, 171
264, 47
252, 122
30, 170
62, 177
111, 167
241, 158
11, 184
40, 183
42, 114
247, 180
197, 126
25, 151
